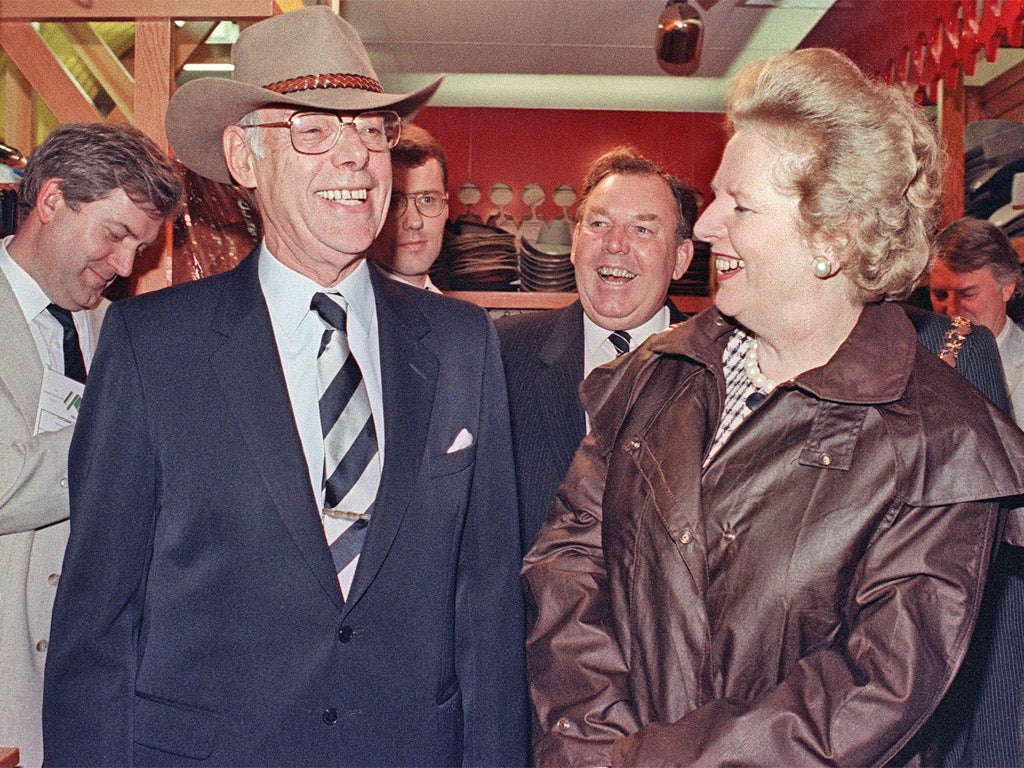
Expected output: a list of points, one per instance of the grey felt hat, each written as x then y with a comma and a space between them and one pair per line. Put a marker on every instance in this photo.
305, 58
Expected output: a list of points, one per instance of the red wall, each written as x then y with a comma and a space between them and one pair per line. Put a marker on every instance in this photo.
553, 147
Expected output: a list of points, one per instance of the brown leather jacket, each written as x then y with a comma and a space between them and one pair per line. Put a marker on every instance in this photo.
804, 600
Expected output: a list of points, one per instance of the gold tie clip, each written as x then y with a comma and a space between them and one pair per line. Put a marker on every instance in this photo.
344, 514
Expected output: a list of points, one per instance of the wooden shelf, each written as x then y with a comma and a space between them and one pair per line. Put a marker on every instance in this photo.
536, 300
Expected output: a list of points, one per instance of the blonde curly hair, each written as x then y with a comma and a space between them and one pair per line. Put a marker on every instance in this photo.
866, 163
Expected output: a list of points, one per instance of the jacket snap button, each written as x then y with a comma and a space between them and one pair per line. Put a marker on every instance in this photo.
634, 444
345, 633
684, 537
564, 725
42, 645
826, 459
330, 716
53, 579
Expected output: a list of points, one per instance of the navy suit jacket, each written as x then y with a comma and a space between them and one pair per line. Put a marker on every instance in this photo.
542, 352
199, 617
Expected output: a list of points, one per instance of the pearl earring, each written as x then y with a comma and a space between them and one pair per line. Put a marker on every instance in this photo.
821, 267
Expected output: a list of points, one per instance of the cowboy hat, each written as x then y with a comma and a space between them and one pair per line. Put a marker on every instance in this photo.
305, 58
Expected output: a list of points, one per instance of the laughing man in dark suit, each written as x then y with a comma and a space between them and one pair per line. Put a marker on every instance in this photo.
202, 614
631, 241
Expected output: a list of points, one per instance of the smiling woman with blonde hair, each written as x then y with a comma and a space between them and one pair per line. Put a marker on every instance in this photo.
771, 548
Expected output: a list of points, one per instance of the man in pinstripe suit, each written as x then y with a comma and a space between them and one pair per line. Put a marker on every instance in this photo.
631, 240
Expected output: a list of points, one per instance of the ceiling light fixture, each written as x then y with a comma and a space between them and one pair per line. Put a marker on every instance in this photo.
678, 39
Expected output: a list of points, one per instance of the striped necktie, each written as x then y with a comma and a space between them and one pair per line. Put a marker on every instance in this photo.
74, 363
620, 340
351, 465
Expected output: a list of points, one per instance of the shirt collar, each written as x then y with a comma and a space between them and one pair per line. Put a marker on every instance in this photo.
30, 296
872, 366
427, 286
289, 293
594, 335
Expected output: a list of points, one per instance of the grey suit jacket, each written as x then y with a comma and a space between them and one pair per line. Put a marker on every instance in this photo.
33, 527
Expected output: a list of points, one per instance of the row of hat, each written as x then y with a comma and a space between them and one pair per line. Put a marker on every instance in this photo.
994, 173
503, 254
480, 257
533, 226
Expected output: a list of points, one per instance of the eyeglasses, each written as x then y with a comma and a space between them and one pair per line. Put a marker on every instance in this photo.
314, 133
430, 204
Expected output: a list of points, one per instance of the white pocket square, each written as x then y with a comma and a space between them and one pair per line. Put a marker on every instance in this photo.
462, 440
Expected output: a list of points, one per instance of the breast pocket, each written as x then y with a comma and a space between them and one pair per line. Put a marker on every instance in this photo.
445, 464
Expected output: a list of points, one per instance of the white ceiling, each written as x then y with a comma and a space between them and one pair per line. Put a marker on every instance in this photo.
596, 54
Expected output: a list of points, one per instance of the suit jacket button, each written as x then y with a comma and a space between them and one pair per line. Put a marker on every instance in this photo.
330, 716
345, 633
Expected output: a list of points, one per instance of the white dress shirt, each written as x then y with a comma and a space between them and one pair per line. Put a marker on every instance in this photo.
47, 332
298, 331
427, 286
598, 350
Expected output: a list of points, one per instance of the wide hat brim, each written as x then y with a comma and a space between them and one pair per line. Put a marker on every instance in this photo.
309, 57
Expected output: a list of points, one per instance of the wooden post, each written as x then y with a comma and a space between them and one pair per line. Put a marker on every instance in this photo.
153, 76
19, 110
153, 83
952, 127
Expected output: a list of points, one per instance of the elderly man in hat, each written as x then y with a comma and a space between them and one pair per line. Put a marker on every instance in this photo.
294, 536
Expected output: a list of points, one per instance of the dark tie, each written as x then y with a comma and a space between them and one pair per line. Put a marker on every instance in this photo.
619, 340
74, 363
351, 468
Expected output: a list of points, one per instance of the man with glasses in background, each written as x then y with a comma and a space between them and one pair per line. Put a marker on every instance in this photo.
413, 232
295, 531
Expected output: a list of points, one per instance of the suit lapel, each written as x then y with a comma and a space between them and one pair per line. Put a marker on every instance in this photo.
674, 313
95, 320
561, 353
21, 370
409, 375
249, 370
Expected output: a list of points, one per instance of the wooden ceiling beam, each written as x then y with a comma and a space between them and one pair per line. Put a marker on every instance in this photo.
40, 10
1004, 93
186, 39
103, 63
37, 64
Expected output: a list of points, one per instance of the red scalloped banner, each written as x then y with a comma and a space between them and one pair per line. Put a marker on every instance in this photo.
954, 42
